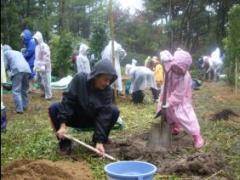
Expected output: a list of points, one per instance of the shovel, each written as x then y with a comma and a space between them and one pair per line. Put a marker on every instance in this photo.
160, 135
89, 147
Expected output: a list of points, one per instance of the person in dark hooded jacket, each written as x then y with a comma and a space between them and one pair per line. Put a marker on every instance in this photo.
87, 103
29, 53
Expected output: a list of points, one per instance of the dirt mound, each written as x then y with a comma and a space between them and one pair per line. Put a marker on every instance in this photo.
181, 159
196, 164
46, 170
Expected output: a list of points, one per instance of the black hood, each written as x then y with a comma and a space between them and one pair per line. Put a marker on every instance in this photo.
103, 67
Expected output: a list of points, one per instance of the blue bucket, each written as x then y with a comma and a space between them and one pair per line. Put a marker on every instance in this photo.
130, 170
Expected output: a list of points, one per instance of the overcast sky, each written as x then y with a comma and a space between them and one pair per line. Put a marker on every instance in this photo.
131, 4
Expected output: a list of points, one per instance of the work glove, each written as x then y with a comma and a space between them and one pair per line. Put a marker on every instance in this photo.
165, 106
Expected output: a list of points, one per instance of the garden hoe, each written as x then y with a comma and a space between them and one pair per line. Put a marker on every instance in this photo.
89, 147
160, 134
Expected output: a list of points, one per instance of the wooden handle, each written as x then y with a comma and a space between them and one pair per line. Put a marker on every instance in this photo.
89, 147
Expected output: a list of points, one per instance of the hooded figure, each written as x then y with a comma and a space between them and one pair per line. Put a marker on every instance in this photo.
119, 53
3, 80
179, 109
42, 65
141, 78
20, 73
87, 103
29, 50
82, 61
216, 63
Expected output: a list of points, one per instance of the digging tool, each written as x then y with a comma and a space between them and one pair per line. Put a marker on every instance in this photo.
165, 132
160, 134
89, 147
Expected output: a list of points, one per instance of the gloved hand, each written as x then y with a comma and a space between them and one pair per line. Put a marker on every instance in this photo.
165, 106
23, 50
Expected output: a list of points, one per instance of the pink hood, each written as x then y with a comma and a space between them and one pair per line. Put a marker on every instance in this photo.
183, 60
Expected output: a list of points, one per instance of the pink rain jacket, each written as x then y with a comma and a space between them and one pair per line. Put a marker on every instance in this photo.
180, 112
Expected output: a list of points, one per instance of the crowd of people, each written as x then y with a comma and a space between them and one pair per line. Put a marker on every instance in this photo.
87, 102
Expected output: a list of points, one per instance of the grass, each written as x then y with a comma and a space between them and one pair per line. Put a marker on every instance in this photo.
29, 136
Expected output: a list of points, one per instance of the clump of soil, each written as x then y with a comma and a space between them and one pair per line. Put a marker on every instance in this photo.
46, 170
225, 114
180, 159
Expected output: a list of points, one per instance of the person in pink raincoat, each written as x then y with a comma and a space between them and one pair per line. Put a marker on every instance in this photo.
179, 109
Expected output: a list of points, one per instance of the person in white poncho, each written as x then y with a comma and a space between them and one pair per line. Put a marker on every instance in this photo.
42, 65
119, 53
141, 78
82, 60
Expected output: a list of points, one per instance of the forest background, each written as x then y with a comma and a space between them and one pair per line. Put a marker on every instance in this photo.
197, 26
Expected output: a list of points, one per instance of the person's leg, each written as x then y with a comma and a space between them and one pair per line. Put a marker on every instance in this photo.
3, 120
31, 80
138, 96
16, 90
64, 144
46, 79
25, 87
155, 94
40, 81
188, 120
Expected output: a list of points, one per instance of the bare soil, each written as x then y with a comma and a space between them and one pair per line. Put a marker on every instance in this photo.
46, 170
174, 160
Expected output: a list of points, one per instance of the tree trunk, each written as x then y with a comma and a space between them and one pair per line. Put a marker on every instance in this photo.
236, 75
171, 30
28, 8
61, 16
111, 23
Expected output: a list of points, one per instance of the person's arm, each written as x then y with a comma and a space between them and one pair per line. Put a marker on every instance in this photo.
29, 52
102, 125
46, 54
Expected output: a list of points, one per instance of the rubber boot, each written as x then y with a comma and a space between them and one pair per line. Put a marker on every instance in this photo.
198, 141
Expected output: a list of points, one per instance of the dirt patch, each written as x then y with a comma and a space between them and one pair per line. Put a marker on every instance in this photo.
46, 170
180, 159
225, 114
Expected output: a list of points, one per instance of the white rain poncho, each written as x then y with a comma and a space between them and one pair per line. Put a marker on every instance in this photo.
214, 62
119, 53
141, 78
217, 62
83, 64
62, 83
42, 65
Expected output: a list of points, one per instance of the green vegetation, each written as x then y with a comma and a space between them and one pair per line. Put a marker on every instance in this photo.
197, 26
232, 45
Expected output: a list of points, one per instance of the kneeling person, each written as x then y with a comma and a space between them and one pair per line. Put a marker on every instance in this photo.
87, 103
